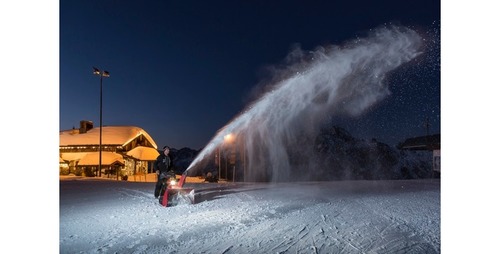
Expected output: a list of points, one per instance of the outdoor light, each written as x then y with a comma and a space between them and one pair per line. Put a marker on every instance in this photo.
101, 74
229, 138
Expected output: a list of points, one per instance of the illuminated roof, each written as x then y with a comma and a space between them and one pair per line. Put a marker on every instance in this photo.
144, 153
108, 158
111, 135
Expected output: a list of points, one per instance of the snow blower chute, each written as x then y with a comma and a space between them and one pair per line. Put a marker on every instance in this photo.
172, 192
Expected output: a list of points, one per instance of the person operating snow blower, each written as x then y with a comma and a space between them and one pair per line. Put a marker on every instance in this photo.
168, 189
163, 169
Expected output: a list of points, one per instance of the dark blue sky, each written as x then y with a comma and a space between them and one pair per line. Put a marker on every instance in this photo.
181, 70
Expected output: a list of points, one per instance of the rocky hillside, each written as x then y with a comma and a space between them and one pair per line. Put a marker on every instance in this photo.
336, 155
341, 156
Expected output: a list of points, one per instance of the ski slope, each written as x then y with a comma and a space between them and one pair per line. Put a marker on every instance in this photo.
101, 216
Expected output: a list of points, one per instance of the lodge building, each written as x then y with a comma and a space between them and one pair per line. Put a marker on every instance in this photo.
126, 150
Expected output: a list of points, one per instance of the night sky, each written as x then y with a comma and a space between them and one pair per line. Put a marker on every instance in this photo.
181, 70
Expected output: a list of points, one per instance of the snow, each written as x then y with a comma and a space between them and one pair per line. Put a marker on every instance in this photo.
108, 216
112, 135
144, 153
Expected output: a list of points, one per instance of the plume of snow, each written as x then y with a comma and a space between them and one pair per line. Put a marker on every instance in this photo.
329, 81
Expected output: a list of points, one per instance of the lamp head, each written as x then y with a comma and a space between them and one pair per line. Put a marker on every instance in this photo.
96, 71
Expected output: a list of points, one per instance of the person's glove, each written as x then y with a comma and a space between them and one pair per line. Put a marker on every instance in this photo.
158, 172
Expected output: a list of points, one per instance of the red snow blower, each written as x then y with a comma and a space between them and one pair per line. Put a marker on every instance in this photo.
173, 194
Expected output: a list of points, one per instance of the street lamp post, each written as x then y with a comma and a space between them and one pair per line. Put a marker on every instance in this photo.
218, 162
101, 74
229, 138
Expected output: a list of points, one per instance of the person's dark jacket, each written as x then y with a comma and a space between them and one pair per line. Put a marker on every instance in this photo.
163, 163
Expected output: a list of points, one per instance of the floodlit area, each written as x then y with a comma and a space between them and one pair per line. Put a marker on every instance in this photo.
106, 216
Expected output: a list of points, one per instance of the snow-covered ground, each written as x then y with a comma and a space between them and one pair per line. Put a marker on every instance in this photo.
106, 216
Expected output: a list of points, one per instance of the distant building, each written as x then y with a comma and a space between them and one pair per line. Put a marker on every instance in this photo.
126, 150
429, 143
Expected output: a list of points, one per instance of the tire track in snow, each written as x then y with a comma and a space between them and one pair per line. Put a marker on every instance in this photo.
394, 213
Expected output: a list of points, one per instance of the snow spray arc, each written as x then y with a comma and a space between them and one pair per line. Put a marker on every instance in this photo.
329, 81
